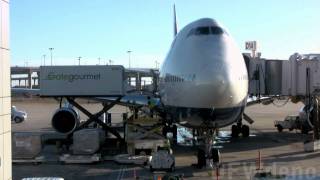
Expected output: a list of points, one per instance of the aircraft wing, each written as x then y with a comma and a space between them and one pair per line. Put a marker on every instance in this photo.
255, 100
131, 100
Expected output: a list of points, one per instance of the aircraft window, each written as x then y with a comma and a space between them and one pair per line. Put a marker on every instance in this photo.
202, 31
216, 30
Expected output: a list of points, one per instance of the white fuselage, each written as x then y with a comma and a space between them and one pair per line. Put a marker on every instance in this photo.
204, 69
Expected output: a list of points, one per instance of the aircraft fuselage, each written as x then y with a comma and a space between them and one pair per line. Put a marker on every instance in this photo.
204, 77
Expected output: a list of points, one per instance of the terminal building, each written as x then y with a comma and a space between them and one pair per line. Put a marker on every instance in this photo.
5, 95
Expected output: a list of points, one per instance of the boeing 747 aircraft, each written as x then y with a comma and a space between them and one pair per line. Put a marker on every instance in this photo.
203, 82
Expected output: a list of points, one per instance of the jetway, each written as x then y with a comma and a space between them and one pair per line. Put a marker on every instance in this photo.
298, 76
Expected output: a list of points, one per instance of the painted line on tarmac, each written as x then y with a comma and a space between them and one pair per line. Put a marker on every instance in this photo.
121, 172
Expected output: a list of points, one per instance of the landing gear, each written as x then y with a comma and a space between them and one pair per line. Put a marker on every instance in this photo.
235, 131
173, 129
245, 131
208, 156
215, 155
239, 128
201, 156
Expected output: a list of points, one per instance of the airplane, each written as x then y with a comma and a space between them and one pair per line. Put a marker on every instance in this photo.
203, 82
204, 79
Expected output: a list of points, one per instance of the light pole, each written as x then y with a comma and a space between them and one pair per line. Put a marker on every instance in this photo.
129, 52
79, 59
157, 64
110, 62
99, 60
44, 59
51, 54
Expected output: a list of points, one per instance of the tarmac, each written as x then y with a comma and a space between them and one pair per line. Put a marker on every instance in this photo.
281, 153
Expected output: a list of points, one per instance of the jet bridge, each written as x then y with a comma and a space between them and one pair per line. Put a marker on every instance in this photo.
297, 78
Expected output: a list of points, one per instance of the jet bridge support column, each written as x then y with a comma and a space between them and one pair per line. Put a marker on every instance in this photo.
138, 82
30, 79
316, 120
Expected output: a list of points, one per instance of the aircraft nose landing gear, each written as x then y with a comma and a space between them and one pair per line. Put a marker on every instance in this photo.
208, 156
170, 128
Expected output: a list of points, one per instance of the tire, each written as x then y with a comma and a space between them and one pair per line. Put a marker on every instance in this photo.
245, 130
18, 120
201, 157
151, 169
280, 128
304, 130
165, 131
215, 154
234, 131
142, 153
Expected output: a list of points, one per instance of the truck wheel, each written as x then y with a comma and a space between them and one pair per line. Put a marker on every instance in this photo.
151, 169
280, 128
18, 119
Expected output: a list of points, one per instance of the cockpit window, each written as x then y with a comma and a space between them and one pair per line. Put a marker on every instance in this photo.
216, 30
202, 31
206, 30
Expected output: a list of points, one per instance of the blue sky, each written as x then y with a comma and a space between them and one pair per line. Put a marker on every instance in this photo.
107, 28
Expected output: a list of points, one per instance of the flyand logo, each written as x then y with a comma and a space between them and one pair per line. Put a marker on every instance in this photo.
72, 77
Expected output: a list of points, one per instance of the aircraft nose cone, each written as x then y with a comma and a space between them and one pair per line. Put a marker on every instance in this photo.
218, 89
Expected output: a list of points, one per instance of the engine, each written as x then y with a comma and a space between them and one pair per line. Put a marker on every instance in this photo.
307, 121
65, 120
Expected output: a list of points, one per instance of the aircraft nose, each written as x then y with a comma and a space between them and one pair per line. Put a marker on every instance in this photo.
222, 66
214, 90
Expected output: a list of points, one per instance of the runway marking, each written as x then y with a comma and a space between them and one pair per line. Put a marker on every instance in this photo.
121, 172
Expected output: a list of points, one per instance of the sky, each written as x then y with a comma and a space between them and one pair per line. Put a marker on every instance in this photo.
107, 29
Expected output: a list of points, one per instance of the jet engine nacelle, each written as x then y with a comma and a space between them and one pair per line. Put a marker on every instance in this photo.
65, 120
306, 121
